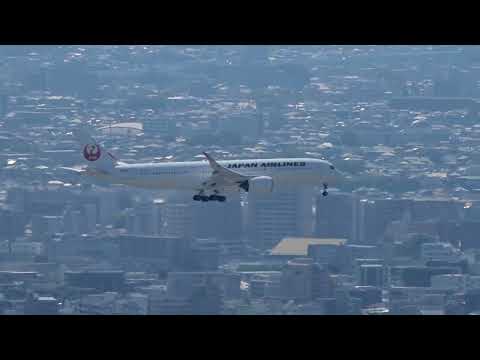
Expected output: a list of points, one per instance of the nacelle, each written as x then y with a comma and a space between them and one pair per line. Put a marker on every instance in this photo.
258, 185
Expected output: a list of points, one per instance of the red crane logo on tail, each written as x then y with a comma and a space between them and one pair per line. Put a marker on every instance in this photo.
91, 152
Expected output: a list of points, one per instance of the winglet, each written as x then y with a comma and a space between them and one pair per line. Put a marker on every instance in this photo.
228, 175
212, 162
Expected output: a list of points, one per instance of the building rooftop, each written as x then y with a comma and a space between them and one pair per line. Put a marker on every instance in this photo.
46, 298
296, 246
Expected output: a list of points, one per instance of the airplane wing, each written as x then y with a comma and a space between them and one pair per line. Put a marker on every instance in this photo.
219, 170
222, 177
85, 171
75, 170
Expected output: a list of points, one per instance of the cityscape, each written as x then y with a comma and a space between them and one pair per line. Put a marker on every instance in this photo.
396, 236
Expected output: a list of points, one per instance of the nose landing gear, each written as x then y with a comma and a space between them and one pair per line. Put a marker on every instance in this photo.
325, 188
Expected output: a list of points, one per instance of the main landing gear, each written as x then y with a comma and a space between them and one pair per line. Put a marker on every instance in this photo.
325, 188
205, 198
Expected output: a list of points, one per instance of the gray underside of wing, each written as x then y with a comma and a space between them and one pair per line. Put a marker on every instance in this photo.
222, 177
223, 180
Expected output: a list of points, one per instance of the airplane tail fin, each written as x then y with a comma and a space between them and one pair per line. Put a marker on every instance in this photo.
92, 152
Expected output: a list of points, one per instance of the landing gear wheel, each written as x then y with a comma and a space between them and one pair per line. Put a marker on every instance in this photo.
325, 193
217, 198
213, 197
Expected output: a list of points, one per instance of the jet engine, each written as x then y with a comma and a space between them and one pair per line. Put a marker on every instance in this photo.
259, 184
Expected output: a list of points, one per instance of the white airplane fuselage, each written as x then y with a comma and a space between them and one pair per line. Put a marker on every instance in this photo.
188, 175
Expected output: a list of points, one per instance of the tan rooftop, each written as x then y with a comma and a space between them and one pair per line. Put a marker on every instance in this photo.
298, 246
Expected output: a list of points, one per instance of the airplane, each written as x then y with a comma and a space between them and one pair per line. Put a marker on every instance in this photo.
210, 180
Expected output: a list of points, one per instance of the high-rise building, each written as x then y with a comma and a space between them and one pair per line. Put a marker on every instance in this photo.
17, 197
333, 252
80, 220
41, 305
411, 276
232, 285
322, 283
170, 253
178, 220
68, 224
90, 217
141, 220
204, 255
335, 216
303, 280
182, 217
222, 221
369, 295
257, 287
342, 301
278, 215
472, 300
453, 282
13, 224
3, 105
107, 207
465, 232
374, 217
206, 298
184, 285
435, 209
44, 227
372, 275
165, 306
99, 280
363, 251
158, 205
439, 251
79, 223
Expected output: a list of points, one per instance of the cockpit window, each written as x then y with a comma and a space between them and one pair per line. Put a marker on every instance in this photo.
332, 167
